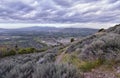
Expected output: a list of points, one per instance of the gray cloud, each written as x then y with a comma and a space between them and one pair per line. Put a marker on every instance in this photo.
60, 11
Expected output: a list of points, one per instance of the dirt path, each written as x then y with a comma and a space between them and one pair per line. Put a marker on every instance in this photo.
59, 58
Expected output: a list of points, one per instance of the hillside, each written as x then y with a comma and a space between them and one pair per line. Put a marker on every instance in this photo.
104, 44
98, 54
94, 56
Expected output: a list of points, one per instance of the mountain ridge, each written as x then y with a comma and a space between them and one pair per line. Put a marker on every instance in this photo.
89, 46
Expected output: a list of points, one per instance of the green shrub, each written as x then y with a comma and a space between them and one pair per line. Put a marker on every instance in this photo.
72, 59
21, 51
14, 52
26, 50
30, 50
87, 66
9, 53
82, 65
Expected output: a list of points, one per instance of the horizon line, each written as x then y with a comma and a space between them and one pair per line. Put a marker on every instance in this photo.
74, 25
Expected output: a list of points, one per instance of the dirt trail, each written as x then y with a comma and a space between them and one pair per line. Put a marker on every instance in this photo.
59, 58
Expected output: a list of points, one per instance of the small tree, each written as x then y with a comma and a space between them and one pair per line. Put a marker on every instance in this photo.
101, 30
16, 47
72, 40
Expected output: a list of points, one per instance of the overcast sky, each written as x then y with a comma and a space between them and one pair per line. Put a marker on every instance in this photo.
59, 13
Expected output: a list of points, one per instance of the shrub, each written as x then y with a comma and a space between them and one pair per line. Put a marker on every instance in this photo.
72, 40
9, 53
26, 50
30, 50
20, 71
82, 65
5, 68
106, 47
42, 50
21, 51
101, 30
49, 70
87, 66
72, 59
55, 71
14, 52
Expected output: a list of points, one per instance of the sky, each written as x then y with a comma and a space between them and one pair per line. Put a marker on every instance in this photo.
59, 13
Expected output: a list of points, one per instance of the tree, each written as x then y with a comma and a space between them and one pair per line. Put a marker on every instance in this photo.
101, 30
72, 40
16, 47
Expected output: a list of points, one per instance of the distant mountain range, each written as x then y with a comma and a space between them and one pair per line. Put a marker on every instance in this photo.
50, 29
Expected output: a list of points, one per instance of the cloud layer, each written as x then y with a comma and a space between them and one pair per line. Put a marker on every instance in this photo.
59, 11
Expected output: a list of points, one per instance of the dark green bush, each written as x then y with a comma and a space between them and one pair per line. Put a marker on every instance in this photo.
101, 30
72, 40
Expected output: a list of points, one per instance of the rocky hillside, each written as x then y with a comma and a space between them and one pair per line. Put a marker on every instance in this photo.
115, 29
96, 56
104, 44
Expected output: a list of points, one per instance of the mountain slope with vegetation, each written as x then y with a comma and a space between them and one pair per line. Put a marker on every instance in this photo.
95, 56
104, 44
